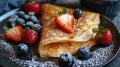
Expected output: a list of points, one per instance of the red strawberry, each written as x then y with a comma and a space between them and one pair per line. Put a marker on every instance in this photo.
104, 37
15, 33
66, 22
31, 5
31, 37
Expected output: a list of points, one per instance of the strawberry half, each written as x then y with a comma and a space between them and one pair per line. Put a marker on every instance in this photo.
31, 37
65, 22
15, 33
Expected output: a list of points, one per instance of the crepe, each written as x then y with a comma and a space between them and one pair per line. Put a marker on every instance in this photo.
55, 41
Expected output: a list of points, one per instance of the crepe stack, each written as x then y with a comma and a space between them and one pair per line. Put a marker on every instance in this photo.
55, 41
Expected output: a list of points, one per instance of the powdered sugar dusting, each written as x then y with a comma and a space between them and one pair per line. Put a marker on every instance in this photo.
6, 49
98, 57
33, 63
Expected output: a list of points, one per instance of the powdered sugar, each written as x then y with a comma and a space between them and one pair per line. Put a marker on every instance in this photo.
98, 57
6, 49
33, 63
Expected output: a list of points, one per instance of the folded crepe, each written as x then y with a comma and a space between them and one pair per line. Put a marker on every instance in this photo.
55, 41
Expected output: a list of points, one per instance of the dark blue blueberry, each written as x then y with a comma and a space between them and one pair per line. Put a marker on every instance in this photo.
26, 17
83, 53
23, 52
22, 49
14, 17
66, 60
29, 23
21, 22
37, 27
11, 21
31, 13
77, 13
33, 19
20, 13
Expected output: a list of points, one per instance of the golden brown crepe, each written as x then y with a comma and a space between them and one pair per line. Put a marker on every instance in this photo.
55, 41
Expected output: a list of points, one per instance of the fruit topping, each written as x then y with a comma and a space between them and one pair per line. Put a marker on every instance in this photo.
83, 53
26, 17
21, 22
32, 5
14, 17
104, 36
77, 13
66, 60
37, 27
22, 49
31, 13
66, 22
30, 37
23, 52
33, 19
29, 23
15, 33
20, 13
12, 20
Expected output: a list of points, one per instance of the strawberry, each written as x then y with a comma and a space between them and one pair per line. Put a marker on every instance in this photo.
32, 5
65, 22
15, 33
31, 37
104, 36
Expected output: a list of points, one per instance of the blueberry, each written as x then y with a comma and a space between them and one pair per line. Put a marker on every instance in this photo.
26, 17
15, 16
11, 21
31, 13
33, 19
21, 13
77, 13
66, 60
23, 52
37, 27
83, 53
21, 22
29, 23
22, 49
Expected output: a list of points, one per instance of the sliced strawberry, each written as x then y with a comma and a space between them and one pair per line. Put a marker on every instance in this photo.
31, 37
65, 22
15, 33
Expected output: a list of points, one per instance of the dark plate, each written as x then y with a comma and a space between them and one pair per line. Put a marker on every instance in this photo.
100, 55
